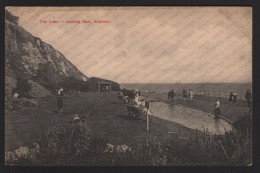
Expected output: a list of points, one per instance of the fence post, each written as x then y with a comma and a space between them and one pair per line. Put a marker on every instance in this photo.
204, 92
225, 94
147, 116
219, 94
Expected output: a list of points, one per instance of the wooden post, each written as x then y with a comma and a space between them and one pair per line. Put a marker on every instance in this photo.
147, 121
98, 87
219, 94
147, 116
204, 92
110, 89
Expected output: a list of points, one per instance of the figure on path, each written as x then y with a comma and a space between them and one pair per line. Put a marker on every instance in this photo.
171, 95
248, 97
230, 98
234, 98
217, 107
184, 94
60, 99
191, 95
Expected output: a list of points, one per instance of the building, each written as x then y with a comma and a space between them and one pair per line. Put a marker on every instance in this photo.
104, 86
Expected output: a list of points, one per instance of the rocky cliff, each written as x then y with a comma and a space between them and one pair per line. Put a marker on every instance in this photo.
36, 68
27, 57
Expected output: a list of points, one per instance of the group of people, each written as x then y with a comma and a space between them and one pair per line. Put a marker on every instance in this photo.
185, 95
171, 94
232, 98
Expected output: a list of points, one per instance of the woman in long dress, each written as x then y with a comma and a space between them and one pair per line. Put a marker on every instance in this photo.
234, 98
230, 97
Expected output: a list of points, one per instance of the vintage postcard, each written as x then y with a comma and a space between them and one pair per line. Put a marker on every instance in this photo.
128, 86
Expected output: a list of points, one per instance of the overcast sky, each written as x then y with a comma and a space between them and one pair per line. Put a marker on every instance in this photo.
149, 45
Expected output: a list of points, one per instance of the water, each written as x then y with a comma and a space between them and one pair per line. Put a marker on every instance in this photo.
165, 87
188, 117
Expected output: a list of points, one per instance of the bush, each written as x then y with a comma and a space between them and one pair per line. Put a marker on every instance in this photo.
227, 148
146, 152
76, 145
22, 88
73, 84
151, 151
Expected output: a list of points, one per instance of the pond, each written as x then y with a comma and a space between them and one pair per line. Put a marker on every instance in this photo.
188, 117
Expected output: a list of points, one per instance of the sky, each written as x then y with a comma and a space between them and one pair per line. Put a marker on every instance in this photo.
149, 44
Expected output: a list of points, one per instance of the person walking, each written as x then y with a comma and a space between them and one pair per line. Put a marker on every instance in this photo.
60, 99
171, 96
248, 97
184, 94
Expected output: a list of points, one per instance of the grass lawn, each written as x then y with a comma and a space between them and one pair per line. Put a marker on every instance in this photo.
108, 115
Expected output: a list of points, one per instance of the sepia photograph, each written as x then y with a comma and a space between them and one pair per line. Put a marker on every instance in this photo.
128, 86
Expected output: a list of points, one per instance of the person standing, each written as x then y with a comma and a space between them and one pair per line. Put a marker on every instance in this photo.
248, 97
184, 94
230, 98
60, 99
217, 107
234, 98
191, 95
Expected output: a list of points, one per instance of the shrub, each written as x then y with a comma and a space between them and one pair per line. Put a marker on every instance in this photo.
22, 88
151, 151
146, 152
75, 145
73, 84
228, 148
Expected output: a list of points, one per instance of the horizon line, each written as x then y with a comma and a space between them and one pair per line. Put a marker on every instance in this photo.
191, 83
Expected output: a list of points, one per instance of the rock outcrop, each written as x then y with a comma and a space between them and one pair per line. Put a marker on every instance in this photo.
28, 57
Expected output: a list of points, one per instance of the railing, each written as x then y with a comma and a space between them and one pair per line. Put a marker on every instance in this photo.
219, 94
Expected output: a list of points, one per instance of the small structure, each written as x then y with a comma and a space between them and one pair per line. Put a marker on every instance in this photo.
104, 86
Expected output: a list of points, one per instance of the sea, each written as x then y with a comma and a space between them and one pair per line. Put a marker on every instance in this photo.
239, 88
